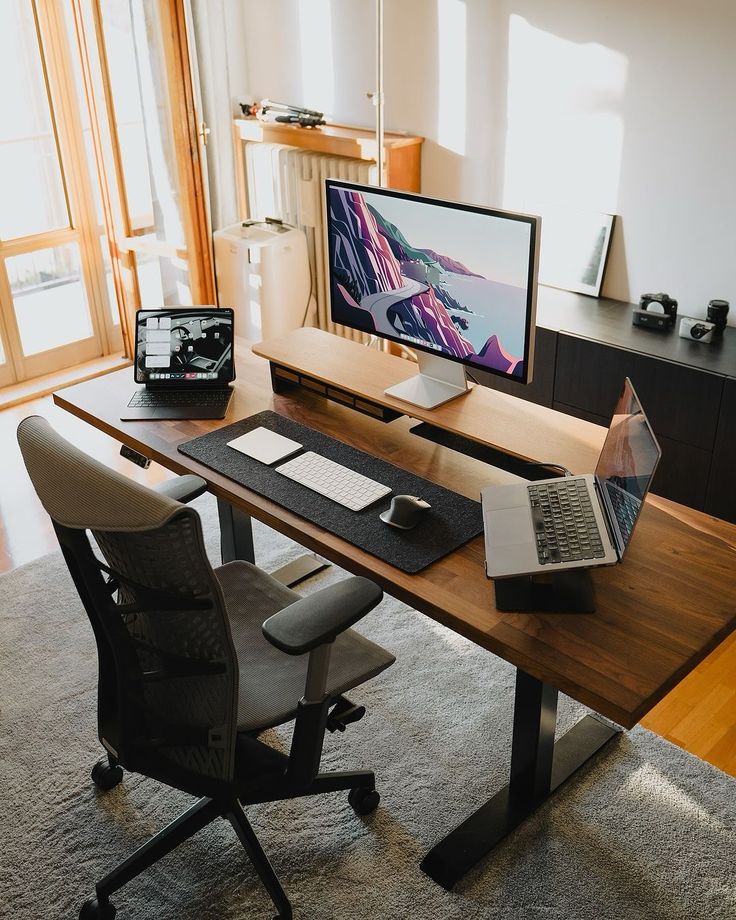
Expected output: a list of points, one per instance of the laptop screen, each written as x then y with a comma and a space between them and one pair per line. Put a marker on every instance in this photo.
627, 463
184, 346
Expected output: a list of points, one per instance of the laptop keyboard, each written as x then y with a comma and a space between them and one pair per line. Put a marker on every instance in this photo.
565, 527
626, 509
342, 485
175, 398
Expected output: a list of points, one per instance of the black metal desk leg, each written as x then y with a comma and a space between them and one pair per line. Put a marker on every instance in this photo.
236, 542
236, 533
539, 765
533, 745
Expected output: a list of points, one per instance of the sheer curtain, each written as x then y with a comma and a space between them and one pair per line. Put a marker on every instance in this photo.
219, 61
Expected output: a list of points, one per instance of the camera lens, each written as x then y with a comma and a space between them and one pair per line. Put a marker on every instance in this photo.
717, 313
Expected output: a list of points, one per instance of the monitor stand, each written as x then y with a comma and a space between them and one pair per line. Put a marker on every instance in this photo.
438, 381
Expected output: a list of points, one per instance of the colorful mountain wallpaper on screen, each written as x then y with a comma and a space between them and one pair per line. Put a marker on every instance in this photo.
382, 283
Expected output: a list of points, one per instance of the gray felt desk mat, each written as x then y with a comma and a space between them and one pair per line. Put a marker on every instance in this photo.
452, 521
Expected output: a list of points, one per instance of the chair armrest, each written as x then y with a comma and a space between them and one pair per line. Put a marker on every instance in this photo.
182, 488
319, 618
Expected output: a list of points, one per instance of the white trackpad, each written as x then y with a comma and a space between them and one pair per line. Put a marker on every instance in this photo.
508, 527
265, 445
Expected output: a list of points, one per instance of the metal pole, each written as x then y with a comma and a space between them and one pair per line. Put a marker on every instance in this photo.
378, 99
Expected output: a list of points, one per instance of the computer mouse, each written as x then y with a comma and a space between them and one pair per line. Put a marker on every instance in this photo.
405, 511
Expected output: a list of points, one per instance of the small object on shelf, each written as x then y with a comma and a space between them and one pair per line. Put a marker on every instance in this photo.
283, 113
717, 314
655, 311
698, 330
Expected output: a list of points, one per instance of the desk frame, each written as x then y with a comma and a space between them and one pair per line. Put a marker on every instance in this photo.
539, 766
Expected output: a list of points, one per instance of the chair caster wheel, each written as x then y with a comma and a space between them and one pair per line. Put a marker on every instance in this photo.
93, 910
364, 801
105, 776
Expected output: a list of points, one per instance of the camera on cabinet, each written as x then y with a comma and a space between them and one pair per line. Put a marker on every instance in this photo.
699, 330
655, 311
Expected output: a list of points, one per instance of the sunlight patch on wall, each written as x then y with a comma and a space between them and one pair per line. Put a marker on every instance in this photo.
564, 127
452, 40
318, 66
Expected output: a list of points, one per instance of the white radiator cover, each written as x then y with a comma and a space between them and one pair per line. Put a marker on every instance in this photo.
288, 183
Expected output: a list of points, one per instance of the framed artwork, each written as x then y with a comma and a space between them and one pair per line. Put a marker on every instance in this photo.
574, 249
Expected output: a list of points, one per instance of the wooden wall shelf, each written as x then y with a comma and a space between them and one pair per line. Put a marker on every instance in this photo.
402, 152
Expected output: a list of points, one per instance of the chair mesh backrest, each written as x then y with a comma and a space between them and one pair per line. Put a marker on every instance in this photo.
185, 676
160, 622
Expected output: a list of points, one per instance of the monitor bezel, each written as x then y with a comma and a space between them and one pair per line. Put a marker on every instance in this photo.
534, 222
180, 383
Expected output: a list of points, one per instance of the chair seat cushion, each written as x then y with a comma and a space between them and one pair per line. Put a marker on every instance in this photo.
271, 682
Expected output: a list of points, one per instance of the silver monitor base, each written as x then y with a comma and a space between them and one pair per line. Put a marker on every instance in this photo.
437, 382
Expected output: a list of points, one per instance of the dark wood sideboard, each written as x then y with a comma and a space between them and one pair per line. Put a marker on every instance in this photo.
585, 347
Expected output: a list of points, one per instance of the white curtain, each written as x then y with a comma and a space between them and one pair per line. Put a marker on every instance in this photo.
219, 62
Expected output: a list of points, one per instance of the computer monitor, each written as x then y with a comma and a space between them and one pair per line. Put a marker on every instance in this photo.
455, 282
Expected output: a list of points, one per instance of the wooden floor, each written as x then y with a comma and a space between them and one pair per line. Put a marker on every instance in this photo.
699, 715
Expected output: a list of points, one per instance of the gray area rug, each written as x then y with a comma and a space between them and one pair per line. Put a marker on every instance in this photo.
647, 832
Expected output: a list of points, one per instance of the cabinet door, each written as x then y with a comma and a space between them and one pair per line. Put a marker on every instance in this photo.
682, 474
540, 390
721, 496
682, 403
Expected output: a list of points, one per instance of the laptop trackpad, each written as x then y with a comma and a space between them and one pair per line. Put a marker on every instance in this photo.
508, 526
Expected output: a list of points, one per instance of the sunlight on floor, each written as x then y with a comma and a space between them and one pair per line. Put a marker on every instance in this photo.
452, 639
651, 785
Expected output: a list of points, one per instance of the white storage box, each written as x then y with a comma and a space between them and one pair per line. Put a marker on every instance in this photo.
262, 271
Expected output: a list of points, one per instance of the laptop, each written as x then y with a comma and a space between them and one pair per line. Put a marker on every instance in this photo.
579, 521
184, 359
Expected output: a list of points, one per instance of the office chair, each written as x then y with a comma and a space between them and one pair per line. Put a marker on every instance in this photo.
195, 662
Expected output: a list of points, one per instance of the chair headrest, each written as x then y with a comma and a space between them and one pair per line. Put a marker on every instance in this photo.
79, 492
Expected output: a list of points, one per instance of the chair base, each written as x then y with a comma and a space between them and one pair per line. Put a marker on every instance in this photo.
107, 773
363, 798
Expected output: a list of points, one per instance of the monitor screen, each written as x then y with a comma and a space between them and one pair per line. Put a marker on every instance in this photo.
627, 463
451, 279
184, 346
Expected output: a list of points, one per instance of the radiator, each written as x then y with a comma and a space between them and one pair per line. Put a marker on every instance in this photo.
287, 182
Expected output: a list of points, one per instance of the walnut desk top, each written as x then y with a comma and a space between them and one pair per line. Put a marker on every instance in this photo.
658, 615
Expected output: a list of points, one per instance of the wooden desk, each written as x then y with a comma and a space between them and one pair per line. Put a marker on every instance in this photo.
657, 616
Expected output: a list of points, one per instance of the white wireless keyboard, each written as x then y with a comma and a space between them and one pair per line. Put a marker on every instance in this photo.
342, 485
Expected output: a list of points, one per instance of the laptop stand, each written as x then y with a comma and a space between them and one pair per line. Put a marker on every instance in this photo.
569, 591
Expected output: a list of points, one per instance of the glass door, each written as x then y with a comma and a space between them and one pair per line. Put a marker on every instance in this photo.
146, 135
54, 309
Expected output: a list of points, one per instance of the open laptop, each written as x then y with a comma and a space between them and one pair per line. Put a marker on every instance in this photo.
580, 521
184, 359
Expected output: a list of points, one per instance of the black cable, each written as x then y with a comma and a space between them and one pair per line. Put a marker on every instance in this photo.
551, 466
309, 295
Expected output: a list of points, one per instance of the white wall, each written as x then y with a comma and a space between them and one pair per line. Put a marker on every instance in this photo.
607, 105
